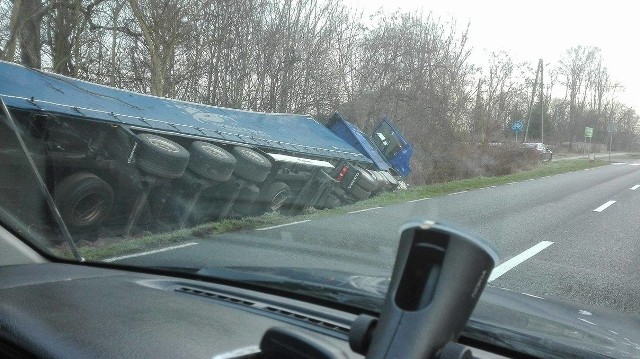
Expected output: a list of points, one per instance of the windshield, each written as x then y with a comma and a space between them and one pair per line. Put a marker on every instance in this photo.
193, 137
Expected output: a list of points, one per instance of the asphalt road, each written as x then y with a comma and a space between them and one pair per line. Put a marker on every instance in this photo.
560, 236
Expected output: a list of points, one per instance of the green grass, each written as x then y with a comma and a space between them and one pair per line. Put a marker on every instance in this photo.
122, 246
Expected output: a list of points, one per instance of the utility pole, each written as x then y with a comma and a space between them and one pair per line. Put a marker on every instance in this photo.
541, 68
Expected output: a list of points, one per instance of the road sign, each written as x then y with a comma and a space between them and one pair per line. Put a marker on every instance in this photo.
612, 128
517, 126
588, 132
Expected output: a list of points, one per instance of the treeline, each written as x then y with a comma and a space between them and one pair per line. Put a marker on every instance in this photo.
317, 57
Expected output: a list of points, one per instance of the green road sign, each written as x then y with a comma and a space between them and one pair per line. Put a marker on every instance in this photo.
588, 132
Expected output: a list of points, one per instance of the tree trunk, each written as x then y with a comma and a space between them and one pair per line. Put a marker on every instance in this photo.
29, 33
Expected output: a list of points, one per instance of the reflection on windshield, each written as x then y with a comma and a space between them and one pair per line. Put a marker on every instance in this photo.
200, 152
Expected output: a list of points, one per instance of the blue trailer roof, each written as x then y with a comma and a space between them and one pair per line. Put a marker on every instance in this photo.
29, 89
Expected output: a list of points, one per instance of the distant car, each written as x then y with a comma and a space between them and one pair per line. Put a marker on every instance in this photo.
545, 153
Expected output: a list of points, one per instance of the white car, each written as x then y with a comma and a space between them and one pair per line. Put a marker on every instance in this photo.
545, 153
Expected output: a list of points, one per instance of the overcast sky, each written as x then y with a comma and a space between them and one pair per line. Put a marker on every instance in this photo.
543, 29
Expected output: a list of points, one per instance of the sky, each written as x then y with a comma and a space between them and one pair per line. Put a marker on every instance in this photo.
543, 29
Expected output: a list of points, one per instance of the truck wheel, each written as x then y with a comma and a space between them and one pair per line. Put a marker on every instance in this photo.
390, 179
276, 196
251, 165
382, 181
245, 200
332, 201
119, 145
83, 199
359, 192
161, 157
211, 161
364, 179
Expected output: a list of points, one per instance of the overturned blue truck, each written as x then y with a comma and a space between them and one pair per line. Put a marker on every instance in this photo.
125, 160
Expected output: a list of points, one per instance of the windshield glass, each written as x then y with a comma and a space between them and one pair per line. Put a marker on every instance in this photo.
193, 137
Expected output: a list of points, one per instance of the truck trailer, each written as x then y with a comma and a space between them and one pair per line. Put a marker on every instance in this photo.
175, 163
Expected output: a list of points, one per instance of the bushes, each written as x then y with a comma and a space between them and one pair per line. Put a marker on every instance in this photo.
470, 161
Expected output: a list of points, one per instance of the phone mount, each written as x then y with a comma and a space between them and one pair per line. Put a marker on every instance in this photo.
438, 277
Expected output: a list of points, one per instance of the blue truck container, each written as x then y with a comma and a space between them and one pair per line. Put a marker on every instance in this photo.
33, 90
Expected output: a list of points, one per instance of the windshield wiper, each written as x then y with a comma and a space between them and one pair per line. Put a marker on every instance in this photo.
43, 187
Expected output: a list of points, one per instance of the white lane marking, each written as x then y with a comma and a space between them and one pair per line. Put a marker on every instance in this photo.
604, 206
531, 295
634, 164
283, 225
635, 187
510, 183
455, 193
237, 353
364, 210
586, 321
619, 163
613, 332
531, 179
546, 176
418, 200
513, 262
492, 187
149, 252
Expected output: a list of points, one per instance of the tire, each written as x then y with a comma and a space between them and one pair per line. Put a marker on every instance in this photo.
380, 180
362, 178
332, 201
84, 200
389, 177
359, 192
119, 145
251, 165
276, 196
161, 157
245, 201
211, 161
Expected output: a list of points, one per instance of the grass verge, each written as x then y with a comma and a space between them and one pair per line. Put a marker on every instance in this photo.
107, 248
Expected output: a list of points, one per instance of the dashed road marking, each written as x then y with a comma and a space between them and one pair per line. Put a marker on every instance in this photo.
531, 295
283, 225
604, 206
635, 187
513, 262
418, 200
149, 252
455, 193
364, 210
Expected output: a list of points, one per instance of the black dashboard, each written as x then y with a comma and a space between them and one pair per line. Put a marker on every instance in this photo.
59, 310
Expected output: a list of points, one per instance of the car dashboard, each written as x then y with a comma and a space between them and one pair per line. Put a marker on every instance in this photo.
66, 310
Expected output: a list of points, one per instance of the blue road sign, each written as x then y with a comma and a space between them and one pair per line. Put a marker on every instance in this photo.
517, 126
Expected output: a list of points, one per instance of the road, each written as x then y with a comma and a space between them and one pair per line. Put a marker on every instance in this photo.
573, 236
